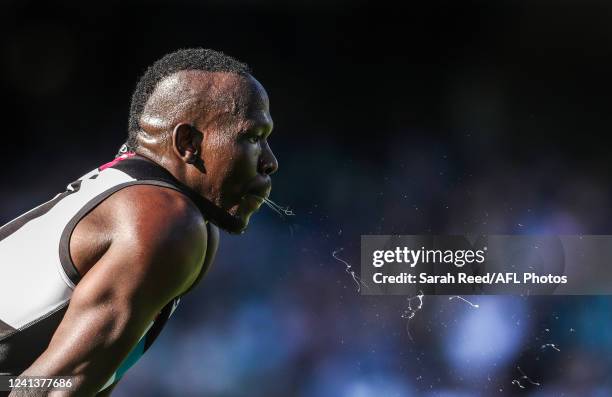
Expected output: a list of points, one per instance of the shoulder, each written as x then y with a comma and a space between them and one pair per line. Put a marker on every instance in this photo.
144, 207
156, 220
157, 230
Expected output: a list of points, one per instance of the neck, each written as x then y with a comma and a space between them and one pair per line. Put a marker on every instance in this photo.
210, 211
172, 167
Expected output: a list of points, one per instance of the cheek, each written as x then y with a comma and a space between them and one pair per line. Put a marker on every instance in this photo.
231, 167
244, 161
218, 157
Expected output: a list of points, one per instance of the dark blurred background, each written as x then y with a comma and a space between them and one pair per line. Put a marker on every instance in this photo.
432, 117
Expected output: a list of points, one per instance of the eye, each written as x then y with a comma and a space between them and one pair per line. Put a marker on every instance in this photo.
254, 138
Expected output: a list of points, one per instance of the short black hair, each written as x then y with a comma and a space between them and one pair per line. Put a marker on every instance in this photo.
184, 59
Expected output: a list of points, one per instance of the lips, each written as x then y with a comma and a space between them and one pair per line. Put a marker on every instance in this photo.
252, 201
255, 197
261, 192
256, 193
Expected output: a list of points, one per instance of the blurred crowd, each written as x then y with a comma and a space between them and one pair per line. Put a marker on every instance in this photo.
440, 118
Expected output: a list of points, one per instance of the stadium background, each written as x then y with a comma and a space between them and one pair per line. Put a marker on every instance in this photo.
445, 117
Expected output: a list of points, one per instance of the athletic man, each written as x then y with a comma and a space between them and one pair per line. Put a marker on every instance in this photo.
89, 278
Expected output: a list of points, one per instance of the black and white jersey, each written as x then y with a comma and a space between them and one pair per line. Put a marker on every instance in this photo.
37, 276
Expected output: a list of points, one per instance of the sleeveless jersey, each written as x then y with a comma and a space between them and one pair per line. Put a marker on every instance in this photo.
37, 275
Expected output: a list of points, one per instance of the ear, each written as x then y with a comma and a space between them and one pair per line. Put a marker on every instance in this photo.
187, 141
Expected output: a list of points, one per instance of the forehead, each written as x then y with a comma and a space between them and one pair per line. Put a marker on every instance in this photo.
226, 95
207, 99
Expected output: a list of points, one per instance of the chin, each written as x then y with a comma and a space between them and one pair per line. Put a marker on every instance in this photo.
238, 224
234, 220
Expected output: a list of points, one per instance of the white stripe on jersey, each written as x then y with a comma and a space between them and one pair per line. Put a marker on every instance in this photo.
32, 279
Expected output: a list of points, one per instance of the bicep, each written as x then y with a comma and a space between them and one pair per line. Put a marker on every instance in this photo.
117, 300
109, 311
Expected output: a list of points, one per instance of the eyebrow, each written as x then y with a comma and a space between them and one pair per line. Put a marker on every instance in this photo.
250, 126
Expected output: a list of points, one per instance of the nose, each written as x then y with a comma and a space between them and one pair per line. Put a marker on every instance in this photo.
268, 164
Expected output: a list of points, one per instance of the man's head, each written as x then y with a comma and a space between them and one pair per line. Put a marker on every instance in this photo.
204, 117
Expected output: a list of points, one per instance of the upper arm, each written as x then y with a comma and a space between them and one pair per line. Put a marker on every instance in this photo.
158, 245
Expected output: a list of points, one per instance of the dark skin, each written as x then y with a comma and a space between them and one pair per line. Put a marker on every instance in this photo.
210, 131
